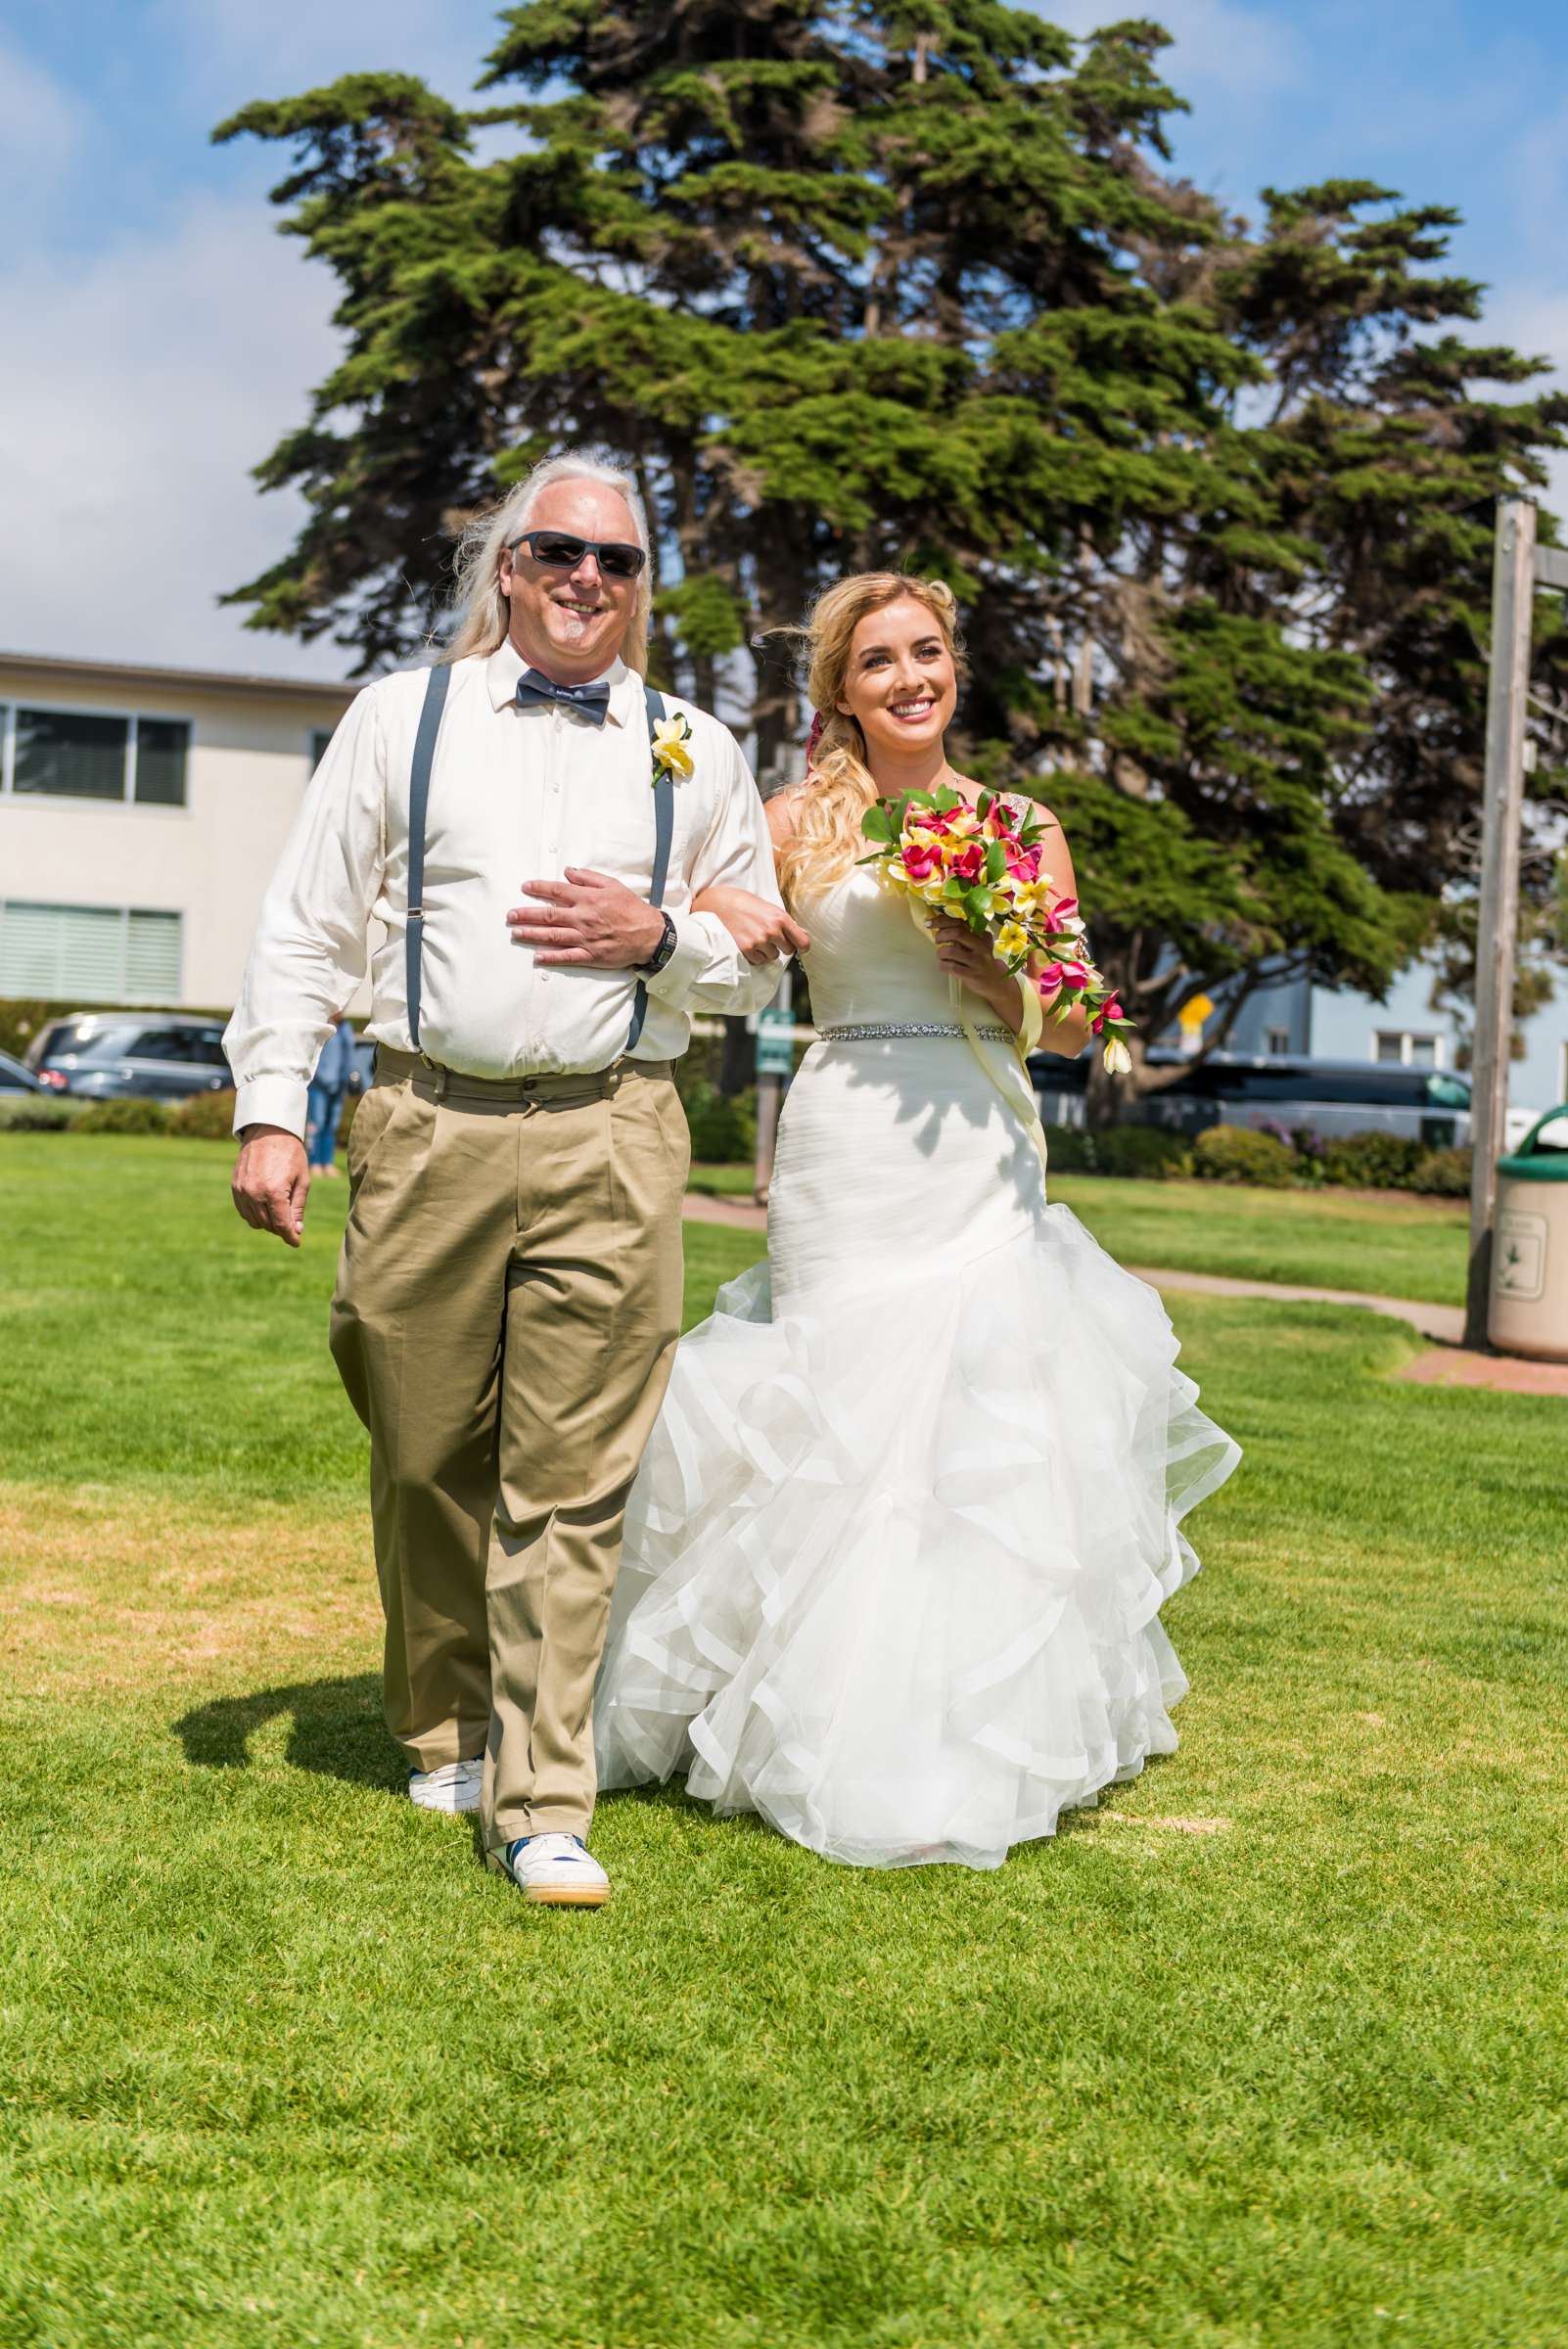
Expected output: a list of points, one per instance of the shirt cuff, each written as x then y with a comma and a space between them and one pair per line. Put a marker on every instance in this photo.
271, 1101
686, 966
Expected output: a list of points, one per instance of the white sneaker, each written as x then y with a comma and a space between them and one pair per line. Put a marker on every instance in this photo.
455, 1786
558, 1871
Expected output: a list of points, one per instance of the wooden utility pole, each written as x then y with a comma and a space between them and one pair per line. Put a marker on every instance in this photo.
1513, 586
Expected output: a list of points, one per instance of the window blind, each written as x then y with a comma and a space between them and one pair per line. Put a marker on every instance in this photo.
90, 954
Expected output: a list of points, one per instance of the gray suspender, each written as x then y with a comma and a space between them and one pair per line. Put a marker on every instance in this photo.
430, 726
663, 800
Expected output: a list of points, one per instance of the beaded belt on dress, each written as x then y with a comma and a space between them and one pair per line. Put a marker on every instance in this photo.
863, 1030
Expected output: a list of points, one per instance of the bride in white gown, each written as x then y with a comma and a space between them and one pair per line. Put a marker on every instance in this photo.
894, 1559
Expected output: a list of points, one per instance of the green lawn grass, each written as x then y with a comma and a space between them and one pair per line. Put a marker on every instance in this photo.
1270, 2050
726, 1182
1382, 1241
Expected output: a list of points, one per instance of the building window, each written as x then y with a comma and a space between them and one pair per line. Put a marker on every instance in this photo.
89, 953
1404, 1048
1278, 1042
159, 747
320, 736
86, 755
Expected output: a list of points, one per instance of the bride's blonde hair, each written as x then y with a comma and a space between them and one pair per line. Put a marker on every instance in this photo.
827, 841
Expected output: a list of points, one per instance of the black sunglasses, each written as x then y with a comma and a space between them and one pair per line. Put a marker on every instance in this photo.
559, 550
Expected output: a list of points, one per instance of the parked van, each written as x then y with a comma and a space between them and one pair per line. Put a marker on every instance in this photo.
1326, 1097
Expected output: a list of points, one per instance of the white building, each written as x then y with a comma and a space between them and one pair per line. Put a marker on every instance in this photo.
142, 811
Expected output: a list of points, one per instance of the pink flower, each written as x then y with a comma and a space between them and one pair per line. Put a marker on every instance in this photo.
1062, 908
1113, 1009
1049, 978
920, 862
970, 863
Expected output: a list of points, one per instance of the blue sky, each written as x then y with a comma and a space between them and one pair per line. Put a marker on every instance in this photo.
158, 334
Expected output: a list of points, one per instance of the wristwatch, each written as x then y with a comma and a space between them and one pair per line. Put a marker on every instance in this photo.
663, 951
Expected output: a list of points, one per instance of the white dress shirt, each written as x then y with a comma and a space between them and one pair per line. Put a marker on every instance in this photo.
516, 794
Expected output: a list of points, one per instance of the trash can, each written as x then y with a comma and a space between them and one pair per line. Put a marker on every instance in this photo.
1530, 1245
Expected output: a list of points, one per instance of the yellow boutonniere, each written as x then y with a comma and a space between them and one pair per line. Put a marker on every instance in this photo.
671, 756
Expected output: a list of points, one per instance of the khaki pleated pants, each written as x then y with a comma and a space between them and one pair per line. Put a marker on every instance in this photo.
507, 1308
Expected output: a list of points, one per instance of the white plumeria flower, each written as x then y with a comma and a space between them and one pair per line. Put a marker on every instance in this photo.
671, 736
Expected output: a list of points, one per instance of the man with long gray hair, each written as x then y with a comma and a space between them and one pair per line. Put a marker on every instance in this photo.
534, 829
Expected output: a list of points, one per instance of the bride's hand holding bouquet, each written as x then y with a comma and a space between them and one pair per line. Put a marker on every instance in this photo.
979, 867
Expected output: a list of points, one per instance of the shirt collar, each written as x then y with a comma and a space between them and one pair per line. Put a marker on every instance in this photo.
506, 665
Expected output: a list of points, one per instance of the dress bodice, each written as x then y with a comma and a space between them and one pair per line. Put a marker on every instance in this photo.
868, 961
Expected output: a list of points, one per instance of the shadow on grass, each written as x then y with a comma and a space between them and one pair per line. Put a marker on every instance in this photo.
337, 1730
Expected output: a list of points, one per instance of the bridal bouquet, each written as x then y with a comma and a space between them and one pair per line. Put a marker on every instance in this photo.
981, 865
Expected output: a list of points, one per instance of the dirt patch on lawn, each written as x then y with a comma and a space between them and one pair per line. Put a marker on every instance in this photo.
100, 1592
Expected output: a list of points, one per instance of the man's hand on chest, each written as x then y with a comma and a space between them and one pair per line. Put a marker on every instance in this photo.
586, 918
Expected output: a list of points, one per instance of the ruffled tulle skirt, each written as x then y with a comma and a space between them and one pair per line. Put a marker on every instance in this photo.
896, 1559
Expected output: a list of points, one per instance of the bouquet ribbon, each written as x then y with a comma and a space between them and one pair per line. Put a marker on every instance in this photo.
1010, 1076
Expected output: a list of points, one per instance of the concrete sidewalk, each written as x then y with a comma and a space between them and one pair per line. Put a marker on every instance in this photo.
1448, 1363
1445, 1364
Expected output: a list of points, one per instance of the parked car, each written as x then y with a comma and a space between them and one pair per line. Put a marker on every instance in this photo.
107, 1056
15, 1079
1326, 1097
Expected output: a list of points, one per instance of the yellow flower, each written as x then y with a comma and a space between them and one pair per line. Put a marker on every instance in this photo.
671, 736
934, 890
1012, 939
1117, 1059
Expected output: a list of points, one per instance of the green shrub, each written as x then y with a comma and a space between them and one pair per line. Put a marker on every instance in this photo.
1147, 1150
1069, 1150
1442, 1175
1237, 1154
203, 1117
1372, 1162
130, 1116
1125, 1150
36, 1113
724, 1126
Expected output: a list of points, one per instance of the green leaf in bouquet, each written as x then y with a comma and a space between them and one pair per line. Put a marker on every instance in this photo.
996, 860
876, 824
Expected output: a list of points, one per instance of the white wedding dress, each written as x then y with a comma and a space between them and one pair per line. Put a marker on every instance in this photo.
895, 1555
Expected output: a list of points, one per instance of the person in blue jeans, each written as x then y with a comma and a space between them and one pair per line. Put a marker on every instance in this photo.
324, 1104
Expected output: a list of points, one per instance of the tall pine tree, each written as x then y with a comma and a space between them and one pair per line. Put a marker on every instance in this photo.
916, 287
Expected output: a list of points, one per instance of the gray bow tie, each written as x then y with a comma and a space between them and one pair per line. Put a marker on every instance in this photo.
593, 701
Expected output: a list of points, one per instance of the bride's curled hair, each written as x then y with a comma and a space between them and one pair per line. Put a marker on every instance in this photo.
827, 841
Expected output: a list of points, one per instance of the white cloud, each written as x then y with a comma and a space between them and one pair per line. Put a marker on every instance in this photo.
42, 130
1219, 46
140, 388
